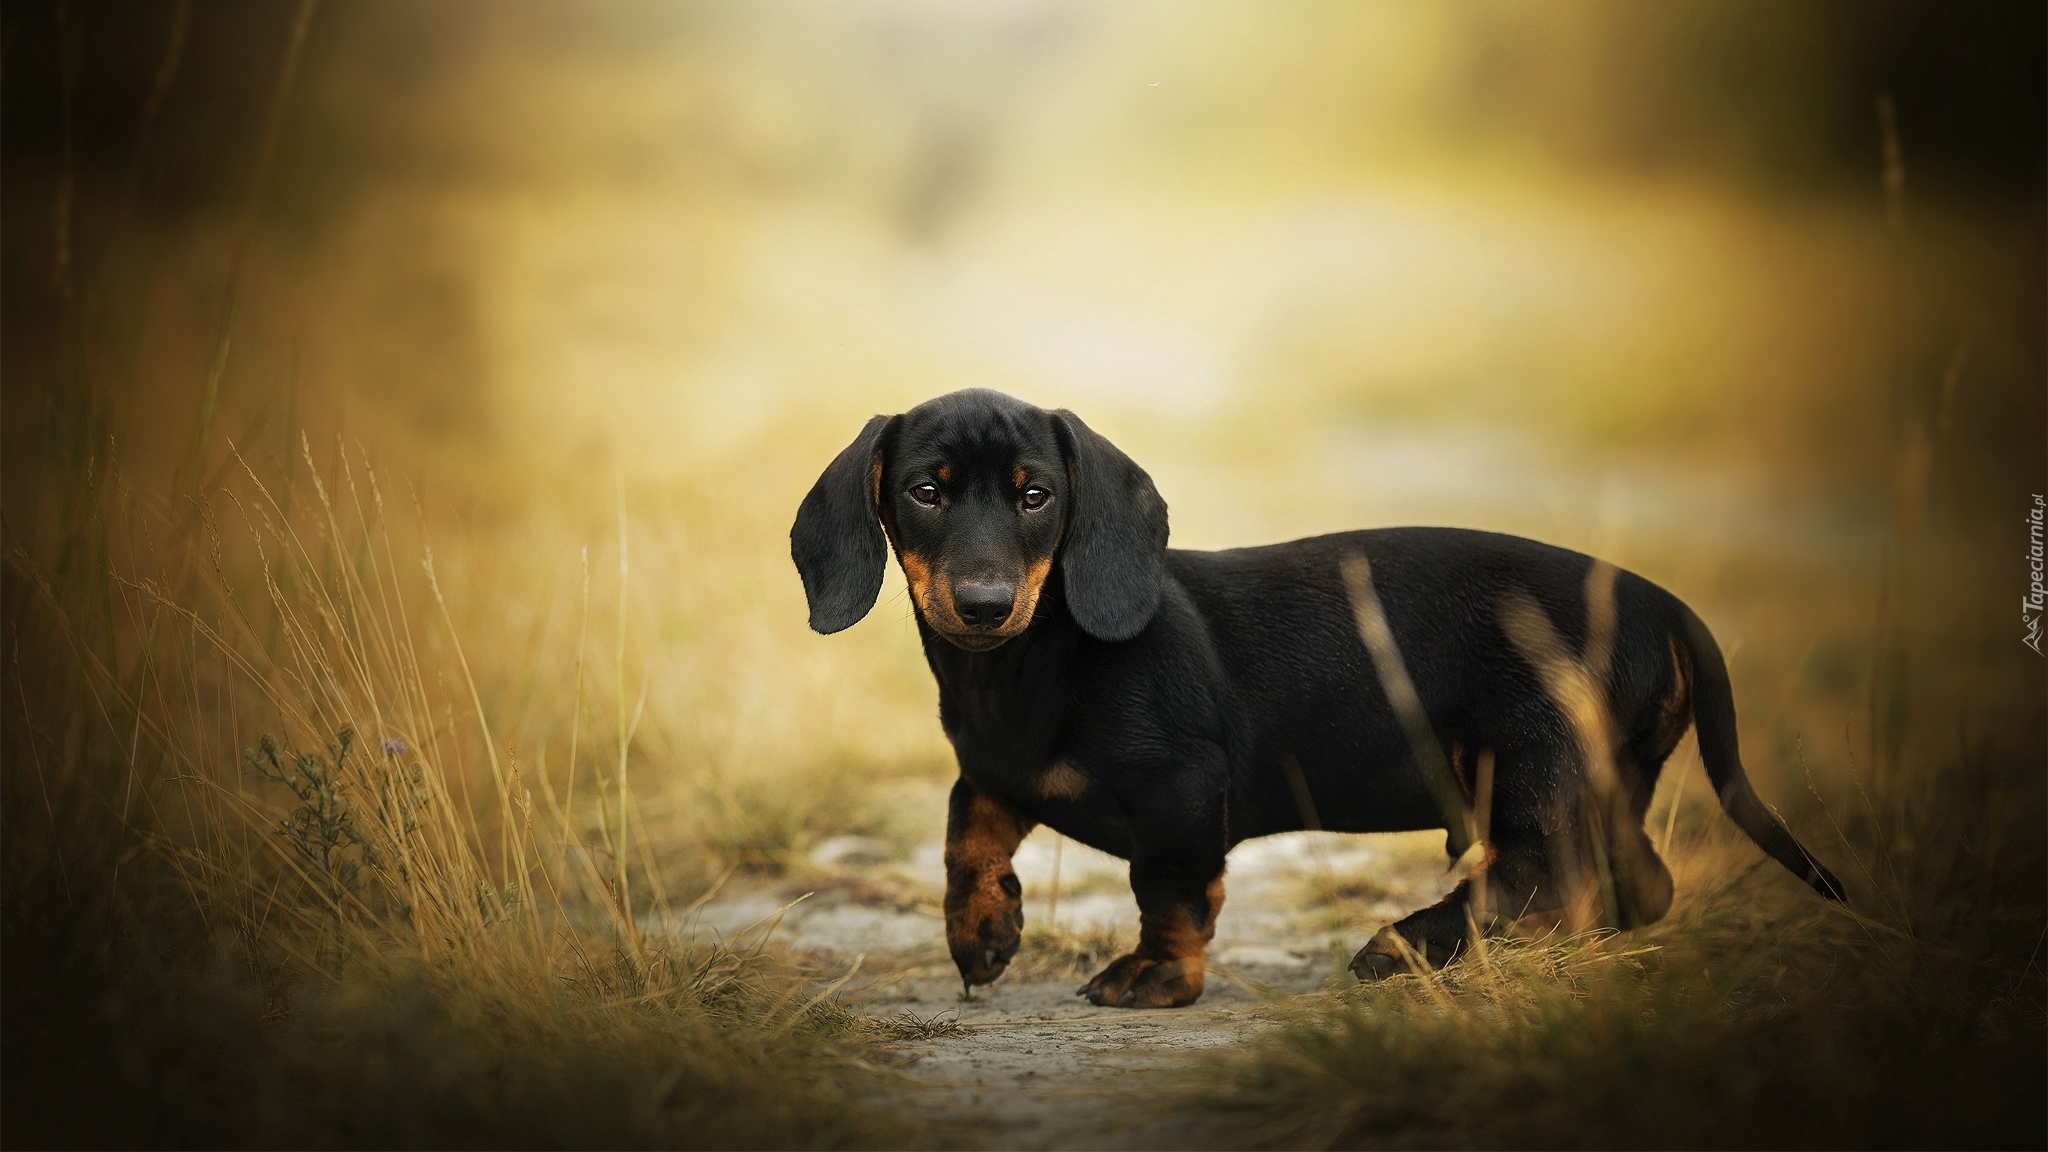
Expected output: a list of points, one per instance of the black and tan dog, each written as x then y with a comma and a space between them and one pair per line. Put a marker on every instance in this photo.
1163, 705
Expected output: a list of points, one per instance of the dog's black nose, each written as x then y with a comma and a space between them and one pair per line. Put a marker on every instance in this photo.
983, 605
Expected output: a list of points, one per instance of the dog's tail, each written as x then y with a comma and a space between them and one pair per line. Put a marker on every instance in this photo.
1713, 714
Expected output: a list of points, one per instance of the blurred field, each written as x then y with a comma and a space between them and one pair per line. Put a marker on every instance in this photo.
577, 302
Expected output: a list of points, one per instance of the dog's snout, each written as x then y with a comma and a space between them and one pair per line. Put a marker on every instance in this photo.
983, 605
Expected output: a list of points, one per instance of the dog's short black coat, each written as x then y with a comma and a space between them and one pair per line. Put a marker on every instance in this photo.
1163, 705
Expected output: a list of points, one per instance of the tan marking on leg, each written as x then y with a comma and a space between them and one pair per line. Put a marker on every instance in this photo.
1179, 935
1459, 771
1677, 709
1479, 887
1062, 781
1169, 966
1180, 943
991, 836
979, 913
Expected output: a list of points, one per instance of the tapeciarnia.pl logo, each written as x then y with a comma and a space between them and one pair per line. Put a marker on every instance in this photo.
2037, 596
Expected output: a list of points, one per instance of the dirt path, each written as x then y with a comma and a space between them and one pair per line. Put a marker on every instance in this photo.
1030, 1064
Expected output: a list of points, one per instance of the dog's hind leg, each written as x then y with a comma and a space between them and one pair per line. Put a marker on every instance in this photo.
1515, 877
1561, 852
984, 901
1581, 861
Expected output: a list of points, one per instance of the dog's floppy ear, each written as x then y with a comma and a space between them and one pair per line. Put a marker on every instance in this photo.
837, 541
1114, 557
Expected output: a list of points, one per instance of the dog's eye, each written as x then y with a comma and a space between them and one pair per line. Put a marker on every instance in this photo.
1035, 497
926, 494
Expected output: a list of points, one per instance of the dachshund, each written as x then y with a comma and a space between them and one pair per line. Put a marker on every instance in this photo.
1163, 705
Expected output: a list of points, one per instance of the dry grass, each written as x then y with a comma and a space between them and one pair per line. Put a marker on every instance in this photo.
1735, 1023
272, 878
1056, 953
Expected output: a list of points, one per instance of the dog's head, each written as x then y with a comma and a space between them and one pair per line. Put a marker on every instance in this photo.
982, 496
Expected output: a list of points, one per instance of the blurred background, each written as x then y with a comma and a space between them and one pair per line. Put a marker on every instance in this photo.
1746, 296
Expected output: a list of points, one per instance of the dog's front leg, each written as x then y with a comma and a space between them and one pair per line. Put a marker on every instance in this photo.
1177, 876
984, 901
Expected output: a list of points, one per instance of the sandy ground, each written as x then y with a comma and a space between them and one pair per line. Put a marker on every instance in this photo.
1030, 1064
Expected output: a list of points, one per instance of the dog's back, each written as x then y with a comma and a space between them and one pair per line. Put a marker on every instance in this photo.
1304, 685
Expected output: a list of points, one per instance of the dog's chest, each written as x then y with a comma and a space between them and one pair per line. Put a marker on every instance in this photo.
1020, 763
1011, 715
1011, 745
1005, 710
1063, 795
1059, 782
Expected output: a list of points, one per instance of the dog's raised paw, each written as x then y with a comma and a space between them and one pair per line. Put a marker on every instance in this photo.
983, 934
